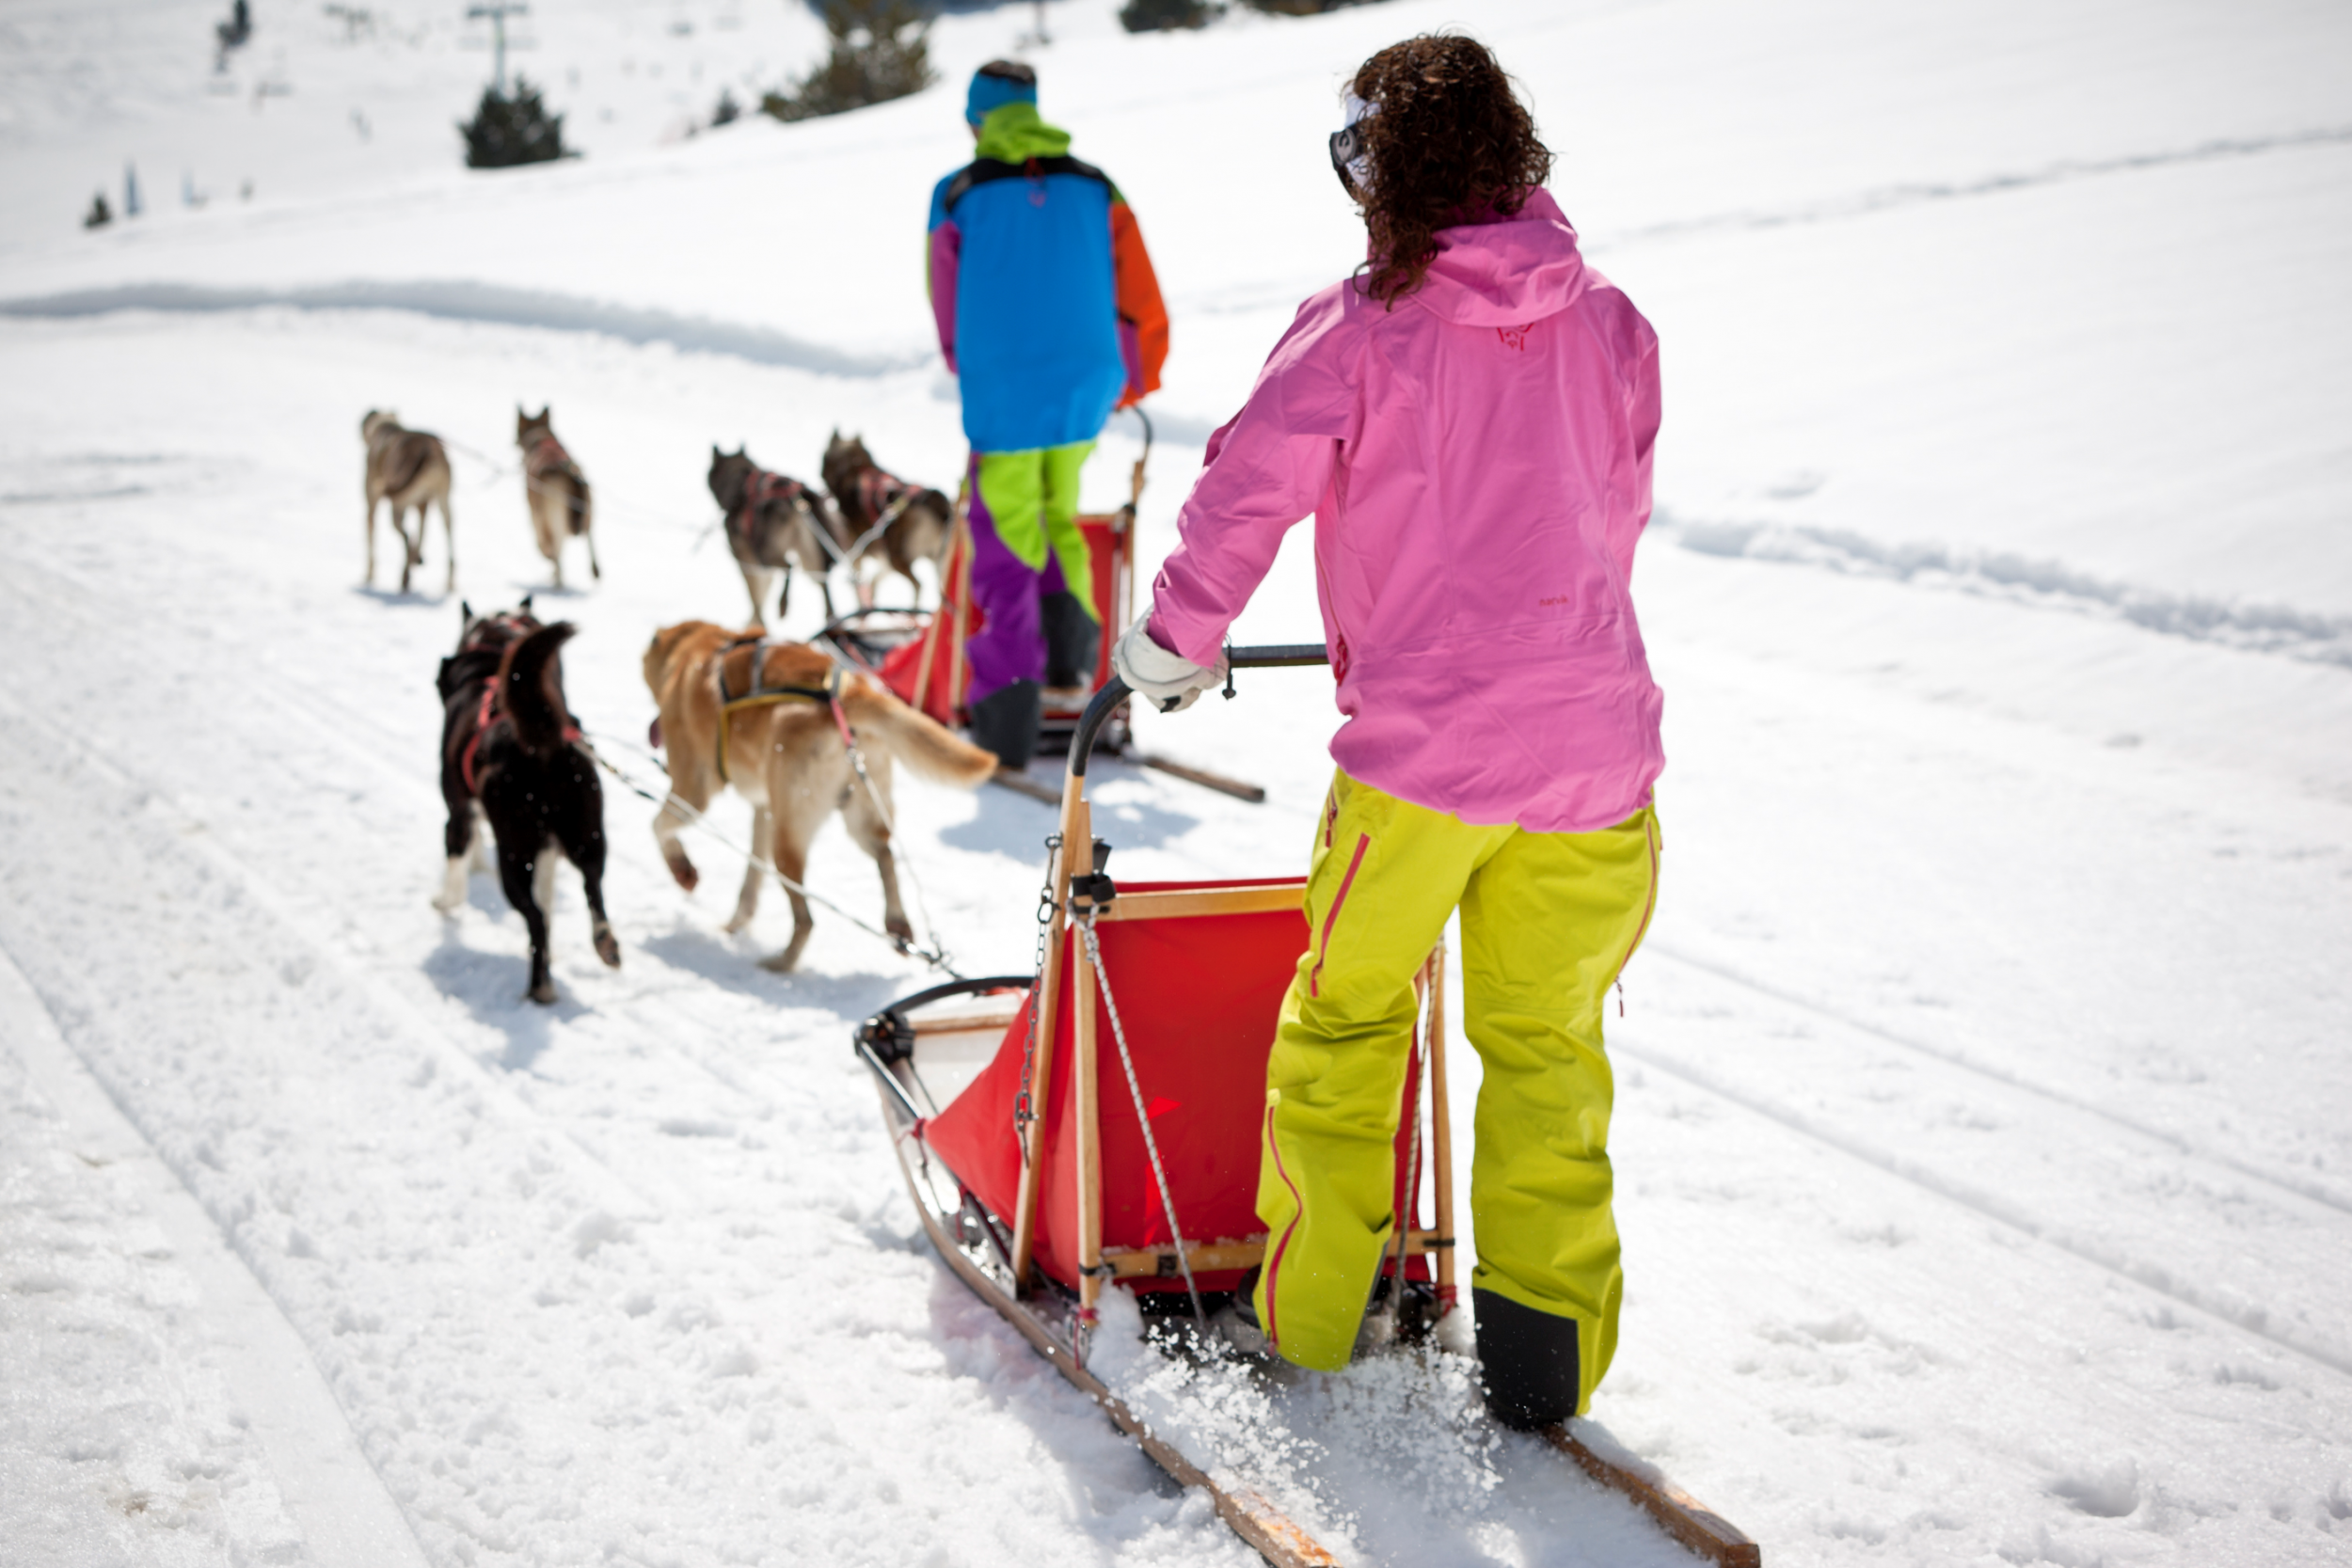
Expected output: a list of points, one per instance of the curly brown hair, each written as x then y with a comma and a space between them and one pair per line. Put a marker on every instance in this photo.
1451, 140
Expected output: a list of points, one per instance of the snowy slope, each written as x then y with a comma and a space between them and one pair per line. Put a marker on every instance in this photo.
1981, 1129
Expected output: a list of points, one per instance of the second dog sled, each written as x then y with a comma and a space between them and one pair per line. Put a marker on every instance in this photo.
920, 654
1094, 1126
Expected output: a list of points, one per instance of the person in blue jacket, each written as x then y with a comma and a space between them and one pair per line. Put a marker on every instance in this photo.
1050, 316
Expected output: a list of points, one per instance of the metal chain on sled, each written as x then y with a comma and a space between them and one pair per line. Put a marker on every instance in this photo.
1143, 1120
1024, 1107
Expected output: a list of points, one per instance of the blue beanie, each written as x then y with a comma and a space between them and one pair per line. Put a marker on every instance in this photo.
991, 91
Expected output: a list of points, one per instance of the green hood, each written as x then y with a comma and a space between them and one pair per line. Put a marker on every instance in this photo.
1012, 134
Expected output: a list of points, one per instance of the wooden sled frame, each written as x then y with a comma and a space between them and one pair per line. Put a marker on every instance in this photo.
1000, 1269
1078, 828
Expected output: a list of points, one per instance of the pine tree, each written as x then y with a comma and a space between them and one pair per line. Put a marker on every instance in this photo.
1303, 7
100, 215
1161, 16
872, 61
512, 130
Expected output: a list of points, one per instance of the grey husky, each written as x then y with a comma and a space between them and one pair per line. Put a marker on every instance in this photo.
774, 524
409, 469
556, 492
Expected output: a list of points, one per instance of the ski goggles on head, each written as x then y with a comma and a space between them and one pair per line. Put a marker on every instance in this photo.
1351, 160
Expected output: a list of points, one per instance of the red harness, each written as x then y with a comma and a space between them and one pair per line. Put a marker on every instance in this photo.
759, 488
547, 455
485, 715
481, 726
877, 490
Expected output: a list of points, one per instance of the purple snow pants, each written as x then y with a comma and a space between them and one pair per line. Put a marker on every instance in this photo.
1012, 647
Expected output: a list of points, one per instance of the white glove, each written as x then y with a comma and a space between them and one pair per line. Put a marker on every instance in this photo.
1169, 682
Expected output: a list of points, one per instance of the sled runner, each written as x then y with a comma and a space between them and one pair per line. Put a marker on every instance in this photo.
1097, 1123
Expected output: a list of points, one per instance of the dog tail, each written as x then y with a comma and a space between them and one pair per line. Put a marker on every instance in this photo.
531, 686
915, 738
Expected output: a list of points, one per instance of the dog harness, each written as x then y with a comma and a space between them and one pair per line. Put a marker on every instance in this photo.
758, 693
759, 488
884, 497
487, 713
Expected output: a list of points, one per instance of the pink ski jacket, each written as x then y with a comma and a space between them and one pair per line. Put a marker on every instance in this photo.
1478, 463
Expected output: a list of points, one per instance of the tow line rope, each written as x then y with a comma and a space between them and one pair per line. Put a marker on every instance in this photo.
857, 761
507, 470
935, 954
1151, 1143
881, 524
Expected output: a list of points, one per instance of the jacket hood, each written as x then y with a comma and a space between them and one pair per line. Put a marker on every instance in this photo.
1014, 134
1507, 271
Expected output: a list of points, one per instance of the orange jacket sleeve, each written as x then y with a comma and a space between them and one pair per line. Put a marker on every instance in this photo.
1140, 307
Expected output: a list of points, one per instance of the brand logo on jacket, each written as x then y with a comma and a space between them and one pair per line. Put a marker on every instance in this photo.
1513, 337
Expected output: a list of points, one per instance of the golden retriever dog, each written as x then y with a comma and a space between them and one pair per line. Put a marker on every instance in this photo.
784, 753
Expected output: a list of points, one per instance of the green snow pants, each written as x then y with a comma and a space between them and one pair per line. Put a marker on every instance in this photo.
1032, 503
1547, 921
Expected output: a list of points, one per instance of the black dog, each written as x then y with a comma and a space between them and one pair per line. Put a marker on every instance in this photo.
510, 753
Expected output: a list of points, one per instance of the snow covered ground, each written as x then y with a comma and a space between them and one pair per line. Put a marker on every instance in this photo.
1983, 1136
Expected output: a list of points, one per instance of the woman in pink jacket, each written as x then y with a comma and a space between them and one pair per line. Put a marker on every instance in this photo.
1471, 420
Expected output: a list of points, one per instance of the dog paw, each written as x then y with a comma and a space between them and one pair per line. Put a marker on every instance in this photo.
542, 993
782, 964
685, 874
447, 906
608, 949
740, 921
897, 925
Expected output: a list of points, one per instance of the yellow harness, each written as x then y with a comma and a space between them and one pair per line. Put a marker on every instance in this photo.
763, 695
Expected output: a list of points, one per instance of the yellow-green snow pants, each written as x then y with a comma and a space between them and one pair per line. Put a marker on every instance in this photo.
1547, 921
1031, 502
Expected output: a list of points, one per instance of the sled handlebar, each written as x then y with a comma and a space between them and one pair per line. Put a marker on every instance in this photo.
1264, 655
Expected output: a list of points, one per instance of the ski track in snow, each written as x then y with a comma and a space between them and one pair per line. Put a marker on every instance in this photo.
606, 1199
1870, 204
467, 301
344, 1512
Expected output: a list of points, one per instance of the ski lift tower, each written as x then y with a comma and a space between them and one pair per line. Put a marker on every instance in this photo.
498, 11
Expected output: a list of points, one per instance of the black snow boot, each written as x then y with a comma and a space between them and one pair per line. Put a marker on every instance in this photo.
1529, 1362
1073, 640
1004, 722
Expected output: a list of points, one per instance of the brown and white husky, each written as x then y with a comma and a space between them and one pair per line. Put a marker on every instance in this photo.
787, 757
555, 490
408, 469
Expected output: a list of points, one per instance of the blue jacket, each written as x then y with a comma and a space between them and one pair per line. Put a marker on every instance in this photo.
1027, 287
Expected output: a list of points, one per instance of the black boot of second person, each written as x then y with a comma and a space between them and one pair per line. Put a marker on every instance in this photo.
1073, 640
1004, 722
1528, 1360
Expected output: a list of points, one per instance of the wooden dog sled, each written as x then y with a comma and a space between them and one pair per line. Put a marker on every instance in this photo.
920, 654
1096, 1124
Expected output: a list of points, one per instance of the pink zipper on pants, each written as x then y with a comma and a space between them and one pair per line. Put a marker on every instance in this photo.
1323, 947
